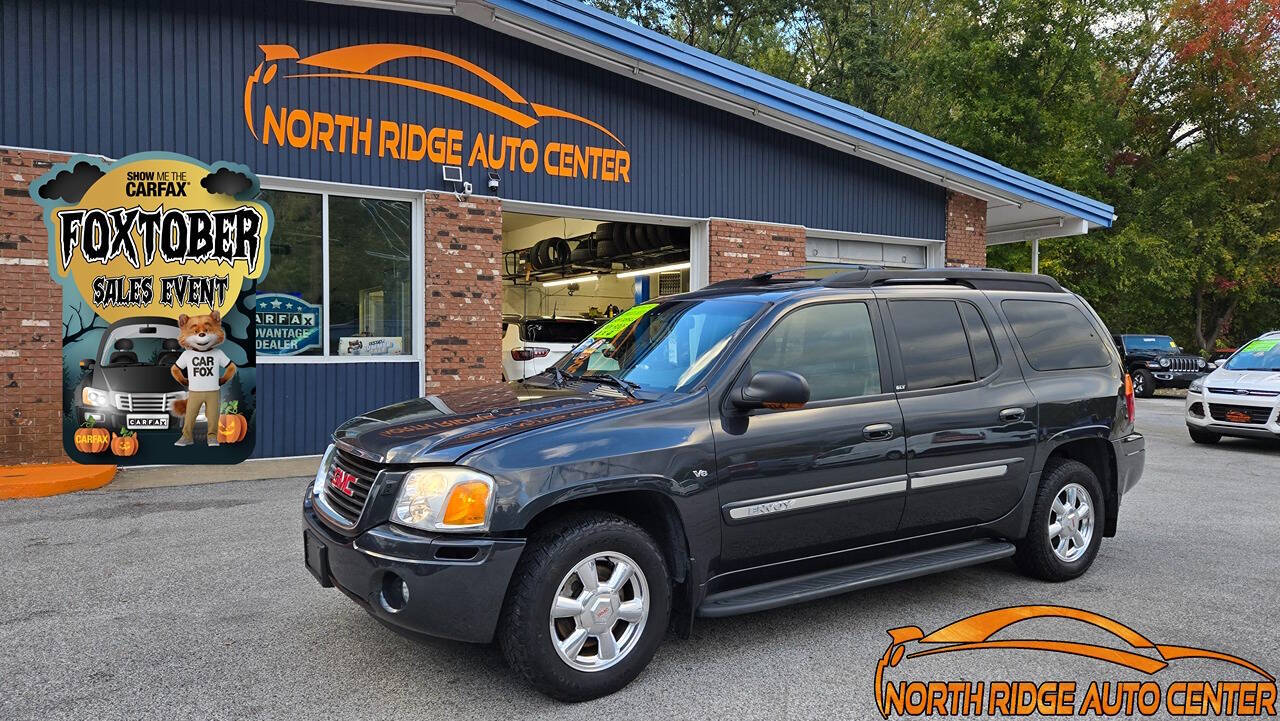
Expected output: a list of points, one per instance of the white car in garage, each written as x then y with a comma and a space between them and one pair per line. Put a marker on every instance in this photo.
530, 344
1240, 398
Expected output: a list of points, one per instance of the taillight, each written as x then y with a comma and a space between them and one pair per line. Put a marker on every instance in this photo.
1129, 406
529, 353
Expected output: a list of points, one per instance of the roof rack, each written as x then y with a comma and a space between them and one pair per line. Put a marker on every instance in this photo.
976, 278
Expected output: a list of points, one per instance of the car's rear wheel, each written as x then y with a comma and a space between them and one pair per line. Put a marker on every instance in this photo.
1144, 384
1066, 523
587, 607
1202, 436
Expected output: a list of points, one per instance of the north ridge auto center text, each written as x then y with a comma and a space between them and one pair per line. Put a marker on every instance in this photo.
336, 133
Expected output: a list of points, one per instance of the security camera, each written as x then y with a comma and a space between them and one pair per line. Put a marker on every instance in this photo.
466, 187
493, 182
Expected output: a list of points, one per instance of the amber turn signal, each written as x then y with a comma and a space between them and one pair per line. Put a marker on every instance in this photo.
468, 504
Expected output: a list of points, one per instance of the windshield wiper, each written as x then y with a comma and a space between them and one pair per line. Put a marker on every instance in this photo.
627, 387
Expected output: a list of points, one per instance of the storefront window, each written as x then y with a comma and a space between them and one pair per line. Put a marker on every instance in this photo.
367, 297
370, 276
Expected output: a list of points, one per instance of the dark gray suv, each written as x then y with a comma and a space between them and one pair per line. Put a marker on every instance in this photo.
753, 444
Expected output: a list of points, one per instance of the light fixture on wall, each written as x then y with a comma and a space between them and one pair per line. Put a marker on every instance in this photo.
570, 281
656, 269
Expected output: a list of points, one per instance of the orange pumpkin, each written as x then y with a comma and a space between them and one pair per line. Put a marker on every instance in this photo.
91, 438
232, 426
125, 444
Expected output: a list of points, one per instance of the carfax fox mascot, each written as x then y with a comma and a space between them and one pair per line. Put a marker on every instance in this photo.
207, 369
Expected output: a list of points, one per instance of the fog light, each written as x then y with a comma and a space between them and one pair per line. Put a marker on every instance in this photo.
395, 593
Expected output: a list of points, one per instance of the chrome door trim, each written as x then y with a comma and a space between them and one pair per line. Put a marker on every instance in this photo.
787, 502
962, 474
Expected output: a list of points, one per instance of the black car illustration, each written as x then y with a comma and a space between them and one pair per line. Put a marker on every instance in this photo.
129, 384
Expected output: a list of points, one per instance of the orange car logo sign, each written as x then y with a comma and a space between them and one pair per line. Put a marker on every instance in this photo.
320, 130
1254, 696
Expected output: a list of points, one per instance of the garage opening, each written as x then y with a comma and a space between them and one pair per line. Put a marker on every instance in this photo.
563, 276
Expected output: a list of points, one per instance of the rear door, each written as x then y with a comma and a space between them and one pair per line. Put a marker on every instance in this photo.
827, 476
970, 417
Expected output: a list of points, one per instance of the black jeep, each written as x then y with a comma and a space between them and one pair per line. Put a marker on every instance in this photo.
753, 444
1156, 361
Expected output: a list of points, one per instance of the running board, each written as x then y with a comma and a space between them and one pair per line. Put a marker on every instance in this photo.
851, 578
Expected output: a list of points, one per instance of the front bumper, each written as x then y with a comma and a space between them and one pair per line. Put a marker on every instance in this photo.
1198, 415
456, 584
1172, 379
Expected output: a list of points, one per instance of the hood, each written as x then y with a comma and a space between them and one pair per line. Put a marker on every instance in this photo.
1243, 380
135, 379
442, 428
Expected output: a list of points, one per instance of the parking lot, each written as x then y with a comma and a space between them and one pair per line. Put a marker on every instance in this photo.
192, 602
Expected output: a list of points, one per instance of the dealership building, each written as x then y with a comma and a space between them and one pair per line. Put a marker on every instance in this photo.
438, 168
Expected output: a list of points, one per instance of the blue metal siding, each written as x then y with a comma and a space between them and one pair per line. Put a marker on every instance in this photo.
123, 77
299, 404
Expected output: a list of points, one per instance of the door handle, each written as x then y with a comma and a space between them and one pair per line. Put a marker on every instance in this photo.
878, 431
1013, 415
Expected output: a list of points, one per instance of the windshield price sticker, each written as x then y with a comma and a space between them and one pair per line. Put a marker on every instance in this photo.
619, 323
1261, 346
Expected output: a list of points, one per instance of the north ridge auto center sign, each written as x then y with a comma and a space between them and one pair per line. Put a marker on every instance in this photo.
286, 325
327, 131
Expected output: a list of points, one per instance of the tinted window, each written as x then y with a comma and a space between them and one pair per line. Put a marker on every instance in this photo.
1055, 336
933, 343
1149, 342
984, 351
557, 331
831, 345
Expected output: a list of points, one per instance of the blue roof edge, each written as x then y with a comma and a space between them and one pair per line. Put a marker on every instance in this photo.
600, 28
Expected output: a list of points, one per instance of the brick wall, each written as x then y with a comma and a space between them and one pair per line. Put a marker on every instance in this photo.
30, 319
463, 285
966, 230
741, 249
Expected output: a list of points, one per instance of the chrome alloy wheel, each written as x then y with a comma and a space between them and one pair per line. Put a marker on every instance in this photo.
599, 611
1071, 522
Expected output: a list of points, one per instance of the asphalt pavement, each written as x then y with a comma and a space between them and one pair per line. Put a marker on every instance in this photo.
192, 602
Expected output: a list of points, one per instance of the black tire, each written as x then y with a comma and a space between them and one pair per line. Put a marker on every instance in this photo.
622, 238
606, 231
1144, 384
605, 249
524, 631
1199, 435
541, 254
584, 253
1035, 556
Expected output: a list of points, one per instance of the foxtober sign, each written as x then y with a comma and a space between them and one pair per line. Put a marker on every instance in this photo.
322, 130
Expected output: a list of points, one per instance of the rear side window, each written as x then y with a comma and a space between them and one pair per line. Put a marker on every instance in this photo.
932, 342
557, 331
1055, 336
984, 351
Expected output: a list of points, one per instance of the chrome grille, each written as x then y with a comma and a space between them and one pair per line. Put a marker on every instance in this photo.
1257, 414
146, 402
1183, 364
350, 506
1243, 392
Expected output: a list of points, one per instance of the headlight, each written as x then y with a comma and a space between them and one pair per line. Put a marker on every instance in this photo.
448, 498
322, 473
1164, 362
1197, 386
1201, 363
93, 397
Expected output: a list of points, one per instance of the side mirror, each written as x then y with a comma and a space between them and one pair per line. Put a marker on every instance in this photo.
87, 364
773, 389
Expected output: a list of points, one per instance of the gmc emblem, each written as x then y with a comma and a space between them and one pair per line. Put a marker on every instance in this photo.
342, 480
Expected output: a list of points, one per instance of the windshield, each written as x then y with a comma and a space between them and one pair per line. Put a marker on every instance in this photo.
1150, 342
664, 346
556, 331
1259, 355
141, 344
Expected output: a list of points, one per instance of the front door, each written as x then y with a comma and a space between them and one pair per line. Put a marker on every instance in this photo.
970, 417
826, 476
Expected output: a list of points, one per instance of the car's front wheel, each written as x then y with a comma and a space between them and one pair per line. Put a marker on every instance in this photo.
1202, 436
587, 608
1066, 523
1144, 384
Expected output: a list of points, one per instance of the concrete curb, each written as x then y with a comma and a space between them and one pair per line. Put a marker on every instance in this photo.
51, 479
